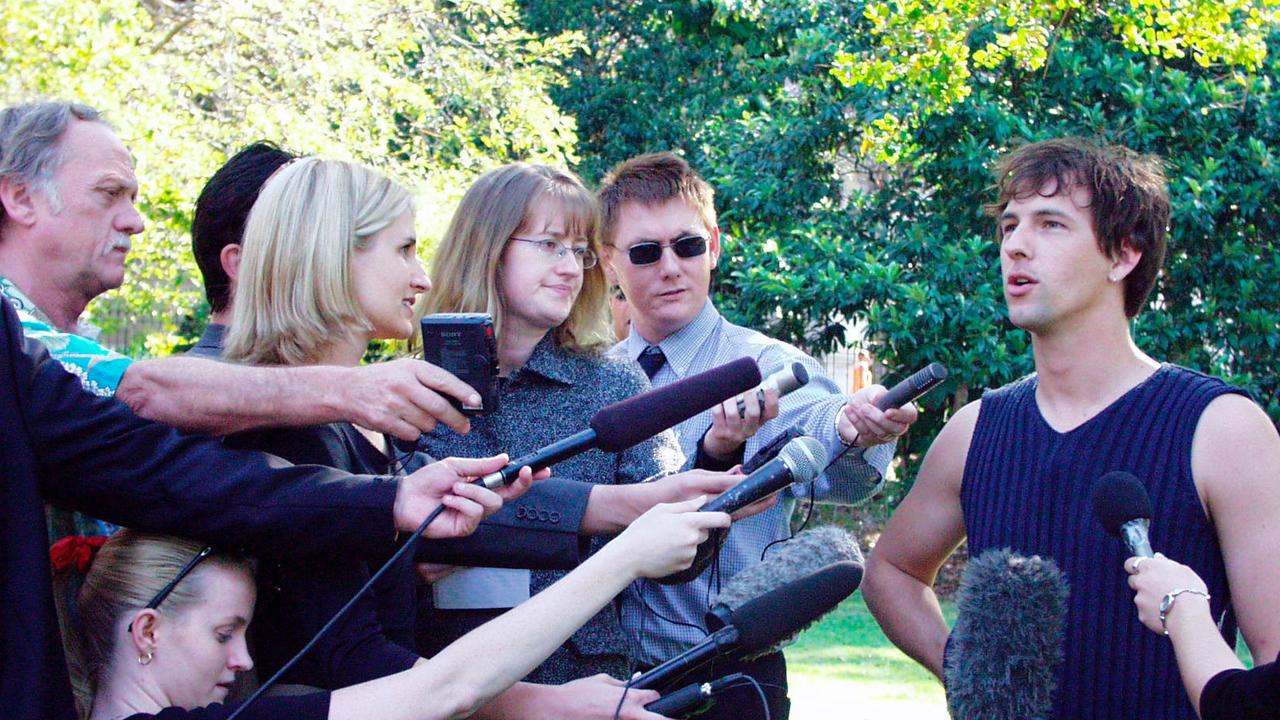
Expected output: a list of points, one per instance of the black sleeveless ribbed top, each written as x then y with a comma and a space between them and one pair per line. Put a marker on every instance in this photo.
1027, 487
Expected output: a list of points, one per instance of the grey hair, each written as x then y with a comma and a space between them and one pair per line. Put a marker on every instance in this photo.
29, 147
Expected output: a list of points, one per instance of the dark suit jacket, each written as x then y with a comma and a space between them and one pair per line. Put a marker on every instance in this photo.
60, 443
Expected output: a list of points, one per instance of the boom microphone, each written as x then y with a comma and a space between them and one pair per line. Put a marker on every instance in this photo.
629, 422
799, 461
757, 625
785, 381
1124, 508
1003, 652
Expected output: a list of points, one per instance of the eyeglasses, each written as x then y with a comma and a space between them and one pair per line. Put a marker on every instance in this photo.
648, 253
167, 589
554, 250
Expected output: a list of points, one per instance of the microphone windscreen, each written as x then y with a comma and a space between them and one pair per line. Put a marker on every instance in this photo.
636, 419
786, 562
1119, 497
764, 622
1003, 653
805, 457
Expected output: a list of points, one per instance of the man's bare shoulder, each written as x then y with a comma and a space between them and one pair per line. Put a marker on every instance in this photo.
1236, 447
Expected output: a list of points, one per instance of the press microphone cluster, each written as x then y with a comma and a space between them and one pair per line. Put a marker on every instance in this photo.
623, 424
799, 461
1122, 505
756, 626
1003, 653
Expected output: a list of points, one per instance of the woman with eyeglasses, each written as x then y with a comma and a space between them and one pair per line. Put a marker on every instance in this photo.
162, 624
329, 263
523, 246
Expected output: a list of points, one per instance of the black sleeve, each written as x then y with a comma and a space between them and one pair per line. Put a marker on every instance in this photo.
297, 599
703, 461
298, 707
537, 531
1242, 694
96, 456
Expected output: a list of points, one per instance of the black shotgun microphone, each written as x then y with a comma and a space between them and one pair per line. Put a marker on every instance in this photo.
623, 424
757, 625
921, 382
1002, 656
693, 697
799, 461
1124, 508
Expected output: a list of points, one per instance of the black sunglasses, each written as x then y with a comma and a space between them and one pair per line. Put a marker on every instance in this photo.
167, 589
648, 253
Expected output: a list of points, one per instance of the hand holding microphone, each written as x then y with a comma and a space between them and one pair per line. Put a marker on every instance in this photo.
737, 419
874, 416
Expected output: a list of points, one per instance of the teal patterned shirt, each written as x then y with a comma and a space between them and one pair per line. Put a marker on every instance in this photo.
99, 370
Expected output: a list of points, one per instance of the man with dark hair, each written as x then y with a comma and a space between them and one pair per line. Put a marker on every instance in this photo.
1082, 235
218, 226
662, 244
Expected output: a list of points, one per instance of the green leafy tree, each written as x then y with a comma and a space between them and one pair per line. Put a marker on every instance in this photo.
859, 199
430, 92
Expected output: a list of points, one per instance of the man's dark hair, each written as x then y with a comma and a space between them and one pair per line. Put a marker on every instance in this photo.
1127, 198
222, 209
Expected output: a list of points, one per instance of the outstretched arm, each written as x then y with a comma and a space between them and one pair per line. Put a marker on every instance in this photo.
491, 658
921, 534
404, 398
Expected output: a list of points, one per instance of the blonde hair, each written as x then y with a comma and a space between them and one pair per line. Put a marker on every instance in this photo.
126, 574
294, 290
467, 263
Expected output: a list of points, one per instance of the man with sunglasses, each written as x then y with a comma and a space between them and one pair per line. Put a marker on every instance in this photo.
661, 245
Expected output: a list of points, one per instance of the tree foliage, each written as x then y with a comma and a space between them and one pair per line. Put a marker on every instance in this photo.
831, 229
429, 91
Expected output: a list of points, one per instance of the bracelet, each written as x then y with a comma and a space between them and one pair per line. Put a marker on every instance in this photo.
1166, 605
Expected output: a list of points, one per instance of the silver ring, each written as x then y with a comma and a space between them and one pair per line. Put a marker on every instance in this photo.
1136, 563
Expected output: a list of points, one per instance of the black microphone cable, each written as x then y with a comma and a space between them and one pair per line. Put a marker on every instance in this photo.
408, 544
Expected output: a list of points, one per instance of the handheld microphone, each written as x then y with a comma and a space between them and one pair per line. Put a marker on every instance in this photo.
1003, 652
921, 382
693, 697
626, 423
757, 625
1122, 505
785, 381
800, 461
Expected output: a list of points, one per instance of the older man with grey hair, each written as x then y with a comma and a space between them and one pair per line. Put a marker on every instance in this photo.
67, 216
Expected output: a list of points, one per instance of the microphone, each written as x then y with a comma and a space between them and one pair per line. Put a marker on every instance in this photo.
783, 563
1003, 652
786, 380
1122, 505
757, 625
921, 382
799, 461
626, 423
693, 697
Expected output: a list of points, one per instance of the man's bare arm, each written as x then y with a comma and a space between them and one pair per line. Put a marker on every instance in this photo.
921, 534
403, 397
1235, 458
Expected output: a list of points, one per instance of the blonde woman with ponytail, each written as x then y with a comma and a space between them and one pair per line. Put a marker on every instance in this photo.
162, 625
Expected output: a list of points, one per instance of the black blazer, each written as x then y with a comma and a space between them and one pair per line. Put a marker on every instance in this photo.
62, 444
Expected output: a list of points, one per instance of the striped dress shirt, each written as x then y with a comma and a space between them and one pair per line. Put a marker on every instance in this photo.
710, 341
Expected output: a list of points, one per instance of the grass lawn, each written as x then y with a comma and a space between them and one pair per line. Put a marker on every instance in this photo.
845, 668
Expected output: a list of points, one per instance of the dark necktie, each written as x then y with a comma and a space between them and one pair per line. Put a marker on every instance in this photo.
652, 360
